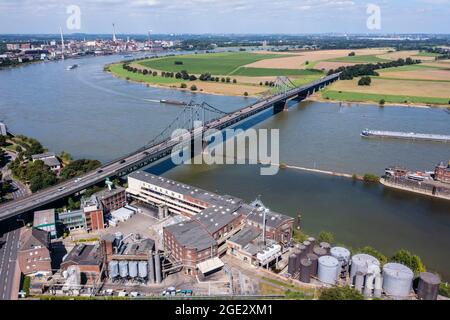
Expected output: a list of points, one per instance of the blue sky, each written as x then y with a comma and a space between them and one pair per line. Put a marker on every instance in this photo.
225, 16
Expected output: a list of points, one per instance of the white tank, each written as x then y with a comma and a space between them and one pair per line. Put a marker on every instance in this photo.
328, 269
340, 253
361, 263
123, 269
397, 280
133, 269
143, 269
113, 268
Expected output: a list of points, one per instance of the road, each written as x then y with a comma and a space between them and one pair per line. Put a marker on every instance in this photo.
9, 244
146, 155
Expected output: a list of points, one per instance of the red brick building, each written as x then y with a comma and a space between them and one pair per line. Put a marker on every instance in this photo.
88, 259
112, 199
442, 172
34, 252
93, 211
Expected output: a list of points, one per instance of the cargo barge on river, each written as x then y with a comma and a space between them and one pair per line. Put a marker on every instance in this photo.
405, 135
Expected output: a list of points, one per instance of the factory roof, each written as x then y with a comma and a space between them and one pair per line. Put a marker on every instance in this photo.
70, 214
256, 214
138, 248
191, 234
44, 218
33, 238
245, 236
43, 155
106, 193
217, 217
84, 254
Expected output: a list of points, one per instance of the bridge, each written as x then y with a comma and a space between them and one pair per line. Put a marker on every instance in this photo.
162, 145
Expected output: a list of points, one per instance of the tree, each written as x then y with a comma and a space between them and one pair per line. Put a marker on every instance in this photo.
382, 102
192, 77
193, 87
325, 236
340, 293
154, 73
365, 81
245, 94
234, 81
145, 71
2, 141
178, 75
183, 86
352, 54
79, 167
410, 260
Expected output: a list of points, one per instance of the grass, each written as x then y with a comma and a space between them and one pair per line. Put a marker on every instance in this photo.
268, 72
427, 54
214, 63
369, 97
359, 59
305, 79
117, 70
413, 67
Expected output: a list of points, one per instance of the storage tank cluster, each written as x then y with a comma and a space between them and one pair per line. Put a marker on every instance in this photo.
365, 275
149, 270
302, 262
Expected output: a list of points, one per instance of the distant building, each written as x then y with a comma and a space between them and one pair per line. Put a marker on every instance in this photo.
442, 172
3, 129
88, 260
49, 160
93, 212
112, 199
34, 252
46, 220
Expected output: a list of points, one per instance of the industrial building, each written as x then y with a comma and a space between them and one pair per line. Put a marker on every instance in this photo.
46, 220
34, 252
112, 198
88, 260
72, 220
214, 219
93, 212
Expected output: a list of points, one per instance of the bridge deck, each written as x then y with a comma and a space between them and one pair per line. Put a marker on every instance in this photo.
147, 155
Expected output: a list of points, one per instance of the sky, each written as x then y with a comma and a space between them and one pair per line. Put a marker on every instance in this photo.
224, 16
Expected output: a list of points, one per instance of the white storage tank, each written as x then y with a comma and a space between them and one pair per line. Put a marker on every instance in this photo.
328, 269
143, 269
343, 256
113, 268
361, 262
397, 280
133, 269
123, 269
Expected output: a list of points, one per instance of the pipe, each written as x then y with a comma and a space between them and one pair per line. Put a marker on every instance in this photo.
378, 286
158, 274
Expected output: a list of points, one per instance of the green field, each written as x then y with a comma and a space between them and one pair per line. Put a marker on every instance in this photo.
413, 67
369, 97
117, 70
427, 54
360, 59
266, 72
216, 64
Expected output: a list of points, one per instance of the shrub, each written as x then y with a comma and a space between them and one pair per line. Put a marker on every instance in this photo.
340, 293
178, 62
299, 236
352, 54
245, 94
365, 81
325, 236
154, 73
192, 77
145, 71
410, 260
382, 102
183, 86
371, 178
234, 81
193, 87
444, 290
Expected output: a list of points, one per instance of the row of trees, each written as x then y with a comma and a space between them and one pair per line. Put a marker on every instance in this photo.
349, 72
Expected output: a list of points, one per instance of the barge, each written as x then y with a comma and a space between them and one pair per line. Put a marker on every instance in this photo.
405, 135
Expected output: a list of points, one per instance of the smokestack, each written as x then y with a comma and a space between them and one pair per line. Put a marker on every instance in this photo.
264, 226
114, 32
62, 42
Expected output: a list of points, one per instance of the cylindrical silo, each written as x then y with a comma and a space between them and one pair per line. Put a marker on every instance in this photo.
359, 281
312, 240
133, 269
318, 251
326, 246
328, 269
378, 286
314, 263
397, 280
123, 268
292, 264
303, 250
305, 270
343, 256
428, 286
307, 244
158, 274
143, 269
113, 269
361, 263
151, 267
298, 254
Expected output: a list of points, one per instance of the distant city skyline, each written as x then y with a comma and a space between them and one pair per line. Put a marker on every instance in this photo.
222, 16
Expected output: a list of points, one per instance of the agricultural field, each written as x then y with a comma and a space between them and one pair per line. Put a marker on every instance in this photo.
214, 63
360, 59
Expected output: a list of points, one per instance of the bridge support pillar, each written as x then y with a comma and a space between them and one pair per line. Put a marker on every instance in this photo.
280, 106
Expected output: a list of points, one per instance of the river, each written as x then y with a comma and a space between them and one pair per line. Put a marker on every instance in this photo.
89, 113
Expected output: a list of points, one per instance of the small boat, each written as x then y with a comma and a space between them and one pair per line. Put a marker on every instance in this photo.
128, 56
174, 102
72, 67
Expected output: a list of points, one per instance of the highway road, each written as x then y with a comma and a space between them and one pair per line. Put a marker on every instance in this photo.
9, 244
154, 152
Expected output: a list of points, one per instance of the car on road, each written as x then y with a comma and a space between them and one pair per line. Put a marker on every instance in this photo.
61, 189
100, 171
122, 161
